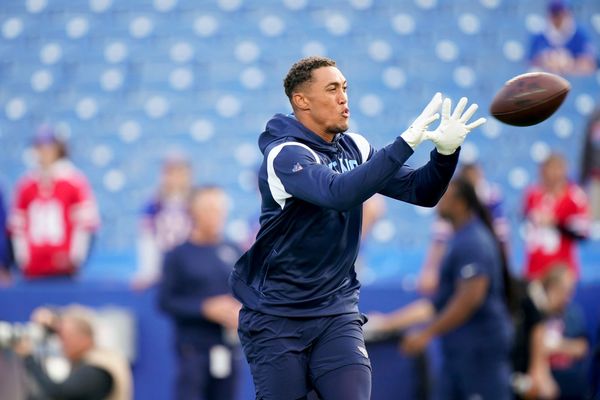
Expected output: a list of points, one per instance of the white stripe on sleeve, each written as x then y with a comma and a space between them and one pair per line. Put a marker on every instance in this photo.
363, 145
275, 185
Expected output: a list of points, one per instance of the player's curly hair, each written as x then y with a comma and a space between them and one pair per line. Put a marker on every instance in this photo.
301, 72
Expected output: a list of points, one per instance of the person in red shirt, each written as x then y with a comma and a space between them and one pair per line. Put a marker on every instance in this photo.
54, 214
557, 215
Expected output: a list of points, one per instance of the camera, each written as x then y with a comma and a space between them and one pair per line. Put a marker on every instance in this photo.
12, 333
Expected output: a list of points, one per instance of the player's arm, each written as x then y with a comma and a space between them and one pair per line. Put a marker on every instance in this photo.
539, 364
85, 220
467, 299
577, 223
17, 222
470, 270
294, 171
423, 186
576, 348
417, 312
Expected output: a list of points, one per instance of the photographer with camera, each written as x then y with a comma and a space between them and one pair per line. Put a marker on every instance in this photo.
96, 374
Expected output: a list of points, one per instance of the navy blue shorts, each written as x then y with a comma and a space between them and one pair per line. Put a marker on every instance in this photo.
287, 355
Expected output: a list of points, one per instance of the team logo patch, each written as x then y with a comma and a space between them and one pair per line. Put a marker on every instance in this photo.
297, 167
468, 271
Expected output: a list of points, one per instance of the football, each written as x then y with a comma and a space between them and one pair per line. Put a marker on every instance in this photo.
529, 99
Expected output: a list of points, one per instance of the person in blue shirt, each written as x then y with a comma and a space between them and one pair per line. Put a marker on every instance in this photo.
470, 309
566, 338
5, 253
300, 326
194, 293
563, 47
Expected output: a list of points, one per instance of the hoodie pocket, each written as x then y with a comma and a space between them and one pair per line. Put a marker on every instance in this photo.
267, 268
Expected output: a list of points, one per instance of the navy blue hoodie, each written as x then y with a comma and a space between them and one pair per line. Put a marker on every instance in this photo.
302, 263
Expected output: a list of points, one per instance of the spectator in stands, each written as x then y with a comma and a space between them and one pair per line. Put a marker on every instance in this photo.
566, 338
195, 294
490, 195
532, 374
563, 47
590, 163
469, 311
54, 215
96, 374
5, 253
556, 213
165, 219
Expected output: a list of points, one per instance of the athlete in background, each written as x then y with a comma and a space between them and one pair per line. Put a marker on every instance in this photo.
469, 311
300, 326
490, 195
54, 214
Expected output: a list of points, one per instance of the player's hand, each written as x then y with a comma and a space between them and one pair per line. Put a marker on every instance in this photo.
454, 127
23, 347
45, 317
415, 134
415, 343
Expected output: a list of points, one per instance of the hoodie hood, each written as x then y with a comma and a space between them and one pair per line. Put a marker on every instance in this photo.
287, 126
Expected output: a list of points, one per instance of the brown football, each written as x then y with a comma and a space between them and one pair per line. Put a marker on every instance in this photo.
529, 99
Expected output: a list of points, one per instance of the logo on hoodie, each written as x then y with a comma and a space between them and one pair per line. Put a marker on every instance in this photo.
297, 167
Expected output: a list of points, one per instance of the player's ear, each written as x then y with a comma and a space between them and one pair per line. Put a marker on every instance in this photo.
300, 101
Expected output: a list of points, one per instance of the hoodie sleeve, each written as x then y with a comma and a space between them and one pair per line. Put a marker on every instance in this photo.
423, 186
294, 170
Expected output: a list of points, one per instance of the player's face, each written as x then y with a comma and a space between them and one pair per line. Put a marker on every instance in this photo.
327, 100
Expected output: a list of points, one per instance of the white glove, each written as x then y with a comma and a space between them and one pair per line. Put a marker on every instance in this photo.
414, 135
453, 128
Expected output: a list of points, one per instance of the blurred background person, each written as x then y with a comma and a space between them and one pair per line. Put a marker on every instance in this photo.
95, 373
556, 217
532, 376
566, 338
590, 163
5, 250
55, 214
491, 197
563, 47
165, 221
469, 312
551, 345
194, 292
